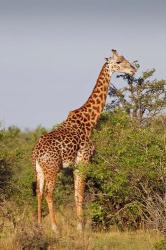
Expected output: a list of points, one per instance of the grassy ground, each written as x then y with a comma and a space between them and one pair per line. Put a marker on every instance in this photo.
27, 236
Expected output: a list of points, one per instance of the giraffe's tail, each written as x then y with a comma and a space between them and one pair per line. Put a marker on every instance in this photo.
34, 186
39, 180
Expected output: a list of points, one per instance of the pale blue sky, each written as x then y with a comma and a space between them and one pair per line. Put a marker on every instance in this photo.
51, 52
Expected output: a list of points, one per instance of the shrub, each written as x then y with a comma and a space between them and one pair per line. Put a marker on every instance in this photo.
127, 178
5, 177
31, 237
161, 245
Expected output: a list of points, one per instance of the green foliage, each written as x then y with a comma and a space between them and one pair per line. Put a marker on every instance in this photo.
141, 97
5, 177
15, 162
127, 178
64, 191
161, 245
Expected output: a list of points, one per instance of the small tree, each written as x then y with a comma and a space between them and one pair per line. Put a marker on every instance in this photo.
142, 98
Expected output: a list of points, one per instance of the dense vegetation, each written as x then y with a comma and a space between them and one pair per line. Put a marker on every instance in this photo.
129, 178
126, 183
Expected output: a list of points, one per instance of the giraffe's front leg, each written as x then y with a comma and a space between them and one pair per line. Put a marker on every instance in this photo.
79, 185
83, 157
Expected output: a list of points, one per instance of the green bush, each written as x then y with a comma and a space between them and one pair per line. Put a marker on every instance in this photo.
161, 245
127, 177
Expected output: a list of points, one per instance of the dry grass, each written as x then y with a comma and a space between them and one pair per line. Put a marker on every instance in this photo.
26, 233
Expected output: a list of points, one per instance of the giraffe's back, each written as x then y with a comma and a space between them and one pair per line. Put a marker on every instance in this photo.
62, 144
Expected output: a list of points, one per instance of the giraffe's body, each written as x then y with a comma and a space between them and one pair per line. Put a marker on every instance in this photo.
70, 143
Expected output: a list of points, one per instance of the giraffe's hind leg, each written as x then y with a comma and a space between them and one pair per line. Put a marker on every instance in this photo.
50, 178
39, 189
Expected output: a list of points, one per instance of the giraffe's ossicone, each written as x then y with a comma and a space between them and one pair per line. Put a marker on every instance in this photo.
70, 144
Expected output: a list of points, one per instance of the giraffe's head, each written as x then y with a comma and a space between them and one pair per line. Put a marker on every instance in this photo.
118, 63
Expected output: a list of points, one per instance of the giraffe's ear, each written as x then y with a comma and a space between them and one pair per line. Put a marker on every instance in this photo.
114, 53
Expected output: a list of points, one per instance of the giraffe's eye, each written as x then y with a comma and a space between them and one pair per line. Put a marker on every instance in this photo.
118, 62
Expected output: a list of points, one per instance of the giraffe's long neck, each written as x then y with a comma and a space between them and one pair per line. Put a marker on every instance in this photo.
88, 114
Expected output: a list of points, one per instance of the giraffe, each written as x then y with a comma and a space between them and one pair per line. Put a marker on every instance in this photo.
70, 144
